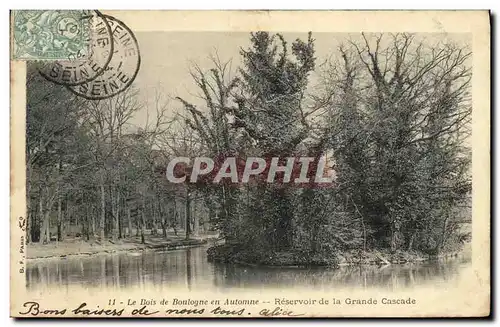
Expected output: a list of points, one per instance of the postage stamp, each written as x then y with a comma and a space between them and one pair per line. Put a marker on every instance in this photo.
50, 34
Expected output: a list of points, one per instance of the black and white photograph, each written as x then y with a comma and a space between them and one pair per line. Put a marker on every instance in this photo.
241, 173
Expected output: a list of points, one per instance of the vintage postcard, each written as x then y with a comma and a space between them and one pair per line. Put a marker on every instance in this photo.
243, 164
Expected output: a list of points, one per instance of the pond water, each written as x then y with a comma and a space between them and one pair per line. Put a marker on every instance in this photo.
189, 268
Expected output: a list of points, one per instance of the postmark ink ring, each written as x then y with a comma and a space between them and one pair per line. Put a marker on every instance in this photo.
121, 70
87, 64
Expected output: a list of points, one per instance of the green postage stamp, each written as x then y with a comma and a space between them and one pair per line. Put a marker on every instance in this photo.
50, 34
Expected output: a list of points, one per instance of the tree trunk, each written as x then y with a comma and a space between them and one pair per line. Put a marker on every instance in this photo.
137, 224
395, 236
189, 274
77, 216
115, 203
41, 232
118, 208
129, 221
153, 213
59, 219
46, 227
314, 238
196, 219
164, 228
157, 217
181, 212
59, 201
120, 223
112, 198
29, 224
86, 224
188, 214
43, 237
412, 239
163, 220
175, 218
284, 225
143, 219
93, 212
29, 215
103, 207
45, 216
443, 236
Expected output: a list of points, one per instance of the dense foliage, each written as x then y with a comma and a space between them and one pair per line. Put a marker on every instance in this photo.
390, 112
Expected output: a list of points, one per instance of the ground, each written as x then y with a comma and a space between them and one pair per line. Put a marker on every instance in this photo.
234, 254
77, 246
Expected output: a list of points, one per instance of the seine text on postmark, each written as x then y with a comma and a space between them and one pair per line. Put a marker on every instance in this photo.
86, 67
121, 70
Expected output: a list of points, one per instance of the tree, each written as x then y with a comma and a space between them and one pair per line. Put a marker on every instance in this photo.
105, 122
400, 118
270, 111
214, 132
53, 115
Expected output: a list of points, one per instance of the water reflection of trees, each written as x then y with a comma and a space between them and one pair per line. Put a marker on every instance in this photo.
177, 268
190, 269
391, 277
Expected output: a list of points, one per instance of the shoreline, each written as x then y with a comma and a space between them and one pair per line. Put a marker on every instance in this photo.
347, 259
76, 248
353, 264
80, 248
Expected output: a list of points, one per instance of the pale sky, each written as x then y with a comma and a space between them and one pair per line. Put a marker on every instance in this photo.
167, 56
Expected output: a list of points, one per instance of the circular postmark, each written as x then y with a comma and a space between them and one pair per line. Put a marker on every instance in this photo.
49, 34
84, 66
121, 70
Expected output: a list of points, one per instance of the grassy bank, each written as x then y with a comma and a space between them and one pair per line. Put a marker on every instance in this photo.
226, 253
77, 246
